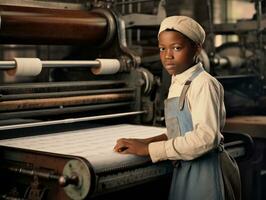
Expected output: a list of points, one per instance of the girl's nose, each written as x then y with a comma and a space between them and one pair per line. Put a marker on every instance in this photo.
168, 54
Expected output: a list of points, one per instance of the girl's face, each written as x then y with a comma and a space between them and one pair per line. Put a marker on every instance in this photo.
177, 52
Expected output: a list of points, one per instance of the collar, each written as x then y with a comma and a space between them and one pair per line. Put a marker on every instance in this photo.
181, 78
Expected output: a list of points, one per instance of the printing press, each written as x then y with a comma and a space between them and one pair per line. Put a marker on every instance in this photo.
69, 88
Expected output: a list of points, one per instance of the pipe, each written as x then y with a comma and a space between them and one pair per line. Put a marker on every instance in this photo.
60, 111
71, 120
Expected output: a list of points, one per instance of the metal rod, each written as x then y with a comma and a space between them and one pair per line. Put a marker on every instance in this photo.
133, 2
64, 101
7, 64
18, 88
4, 65
261, 61
60, 111
61, 94
70, 63
211, 33
61, 179
32, 172
259, 19
70, 120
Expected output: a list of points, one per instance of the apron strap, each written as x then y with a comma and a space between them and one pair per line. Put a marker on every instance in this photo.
183, 94
185, 88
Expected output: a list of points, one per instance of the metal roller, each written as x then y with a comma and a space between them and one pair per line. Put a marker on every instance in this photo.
66, 110
28, 88
231, 57
65, 101
79, 169
62, 94
51, 26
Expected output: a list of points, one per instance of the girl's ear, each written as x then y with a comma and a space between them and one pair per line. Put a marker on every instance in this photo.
198, 48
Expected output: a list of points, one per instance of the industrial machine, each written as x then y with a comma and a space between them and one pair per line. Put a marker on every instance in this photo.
240, 66
69, 88
83, 94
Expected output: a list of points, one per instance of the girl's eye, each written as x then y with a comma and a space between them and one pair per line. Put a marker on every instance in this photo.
161, 49
177, 48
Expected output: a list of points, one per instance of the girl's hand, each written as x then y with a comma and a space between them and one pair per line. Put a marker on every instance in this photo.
132, 146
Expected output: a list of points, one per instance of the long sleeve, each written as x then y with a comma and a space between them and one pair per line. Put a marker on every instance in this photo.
208, 115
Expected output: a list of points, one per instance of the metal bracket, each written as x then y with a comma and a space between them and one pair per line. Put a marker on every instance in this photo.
34, 191
132, 20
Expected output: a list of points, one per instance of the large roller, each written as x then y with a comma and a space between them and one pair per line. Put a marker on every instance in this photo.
51, 26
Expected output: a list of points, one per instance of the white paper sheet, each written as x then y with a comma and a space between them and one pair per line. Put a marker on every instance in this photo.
94, 144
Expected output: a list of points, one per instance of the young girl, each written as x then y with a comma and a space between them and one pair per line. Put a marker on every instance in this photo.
194, 116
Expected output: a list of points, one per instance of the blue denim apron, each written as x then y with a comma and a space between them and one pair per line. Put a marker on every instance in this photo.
198, 179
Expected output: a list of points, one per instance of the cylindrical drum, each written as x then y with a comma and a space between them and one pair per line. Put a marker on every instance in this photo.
55, 27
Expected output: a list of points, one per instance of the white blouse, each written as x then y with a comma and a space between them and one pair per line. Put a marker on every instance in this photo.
206, 103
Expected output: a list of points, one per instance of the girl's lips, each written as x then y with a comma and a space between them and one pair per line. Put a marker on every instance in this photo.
169, 63
169, 66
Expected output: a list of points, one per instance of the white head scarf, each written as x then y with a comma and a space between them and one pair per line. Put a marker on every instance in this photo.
185, 25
